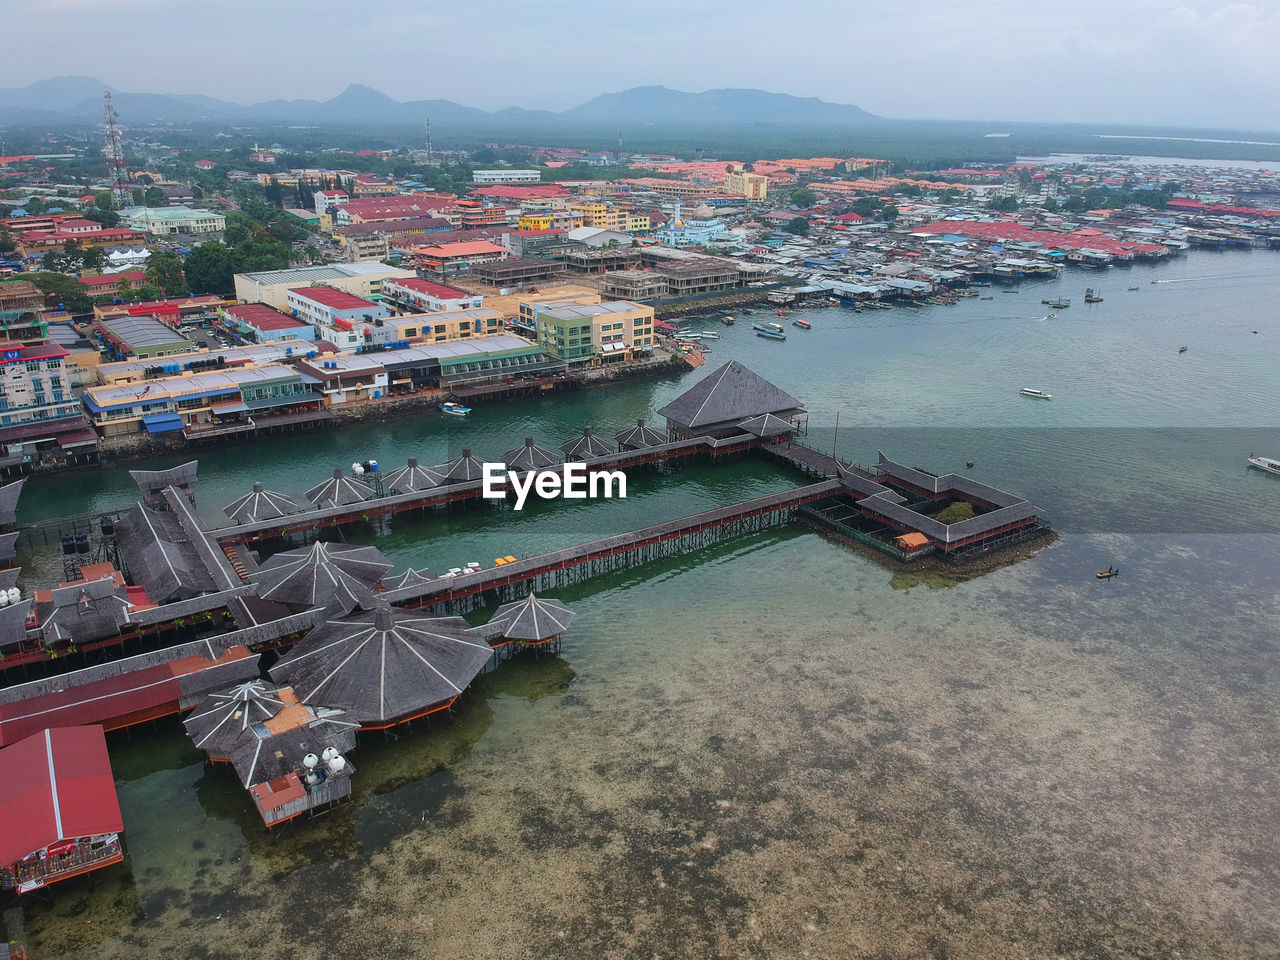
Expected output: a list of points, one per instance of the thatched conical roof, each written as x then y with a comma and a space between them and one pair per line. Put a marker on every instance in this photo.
335, 575
410, 578
464, 468
265, 730
411, 478
259, 504
385, 667
634, 438
532, 619
529, 457
766, 425
339, 490
585, 447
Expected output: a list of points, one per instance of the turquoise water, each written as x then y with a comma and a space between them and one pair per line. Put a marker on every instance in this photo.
778, 747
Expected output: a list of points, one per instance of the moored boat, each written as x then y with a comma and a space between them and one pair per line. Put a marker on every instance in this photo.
770, 334
1038, 394
709, 335
1265, 463
454, 409
802, 324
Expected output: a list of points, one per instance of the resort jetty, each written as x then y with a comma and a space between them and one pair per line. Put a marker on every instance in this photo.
172, 615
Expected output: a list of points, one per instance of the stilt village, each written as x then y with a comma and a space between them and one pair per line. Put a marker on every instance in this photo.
280, 644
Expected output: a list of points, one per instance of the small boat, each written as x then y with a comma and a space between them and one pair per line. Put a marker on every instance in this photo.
986, 298
1182, 349
802, 324
1265, 463
454, 409
727, 321
1131, 289
1038, 394
1108, 573
1091, 297
709, 335
770, 334
782, 313
728, 318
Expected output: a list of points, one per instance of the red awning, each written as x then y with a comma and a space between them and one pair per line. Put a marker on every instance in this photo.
57, 786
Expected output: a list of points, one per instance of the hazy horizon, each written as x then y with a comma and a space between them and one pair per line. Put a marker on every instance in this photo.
1192, 64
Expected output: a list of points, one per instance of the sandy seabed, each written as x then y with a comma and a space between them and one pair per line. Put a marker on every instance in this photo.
774, 752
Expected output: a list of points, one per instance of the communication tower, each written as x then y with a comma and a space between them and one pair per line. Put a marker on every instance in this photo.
113, 150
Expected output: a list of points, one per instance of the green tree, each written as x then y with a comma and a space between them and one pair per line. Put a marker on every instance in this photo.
798, 226
6, 242
955, 512
888, 213
802, 197
208, 269
108, 218
164, 270
59, 288
104, 200
92, 258
154, 197
138, 197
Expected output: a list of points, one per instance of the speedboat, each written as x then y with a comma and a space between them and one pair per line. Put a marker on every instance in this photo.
454, 409
1265, 463
802, 324
710, 335
770, 334
1108, 573
1182, 349
1038, 394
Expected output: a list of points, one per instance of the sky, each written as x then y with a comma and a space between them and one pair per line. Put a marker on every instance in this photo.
1196, 63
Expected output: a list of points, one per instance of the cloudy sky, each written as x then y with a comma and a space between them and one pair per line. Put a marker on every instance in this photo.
1199, 62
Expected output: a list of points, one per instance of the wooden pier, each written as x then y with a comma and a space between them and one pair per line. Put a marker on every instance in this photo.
454, 595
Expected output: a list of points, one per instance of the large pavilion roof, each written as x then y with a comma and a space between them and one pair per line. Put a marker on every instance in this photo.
729, 395
385, 667
335, 575
151, 482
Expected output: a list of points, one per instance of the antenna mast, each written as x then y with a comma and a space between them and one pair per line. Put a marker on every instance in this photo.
113, 150
427, 124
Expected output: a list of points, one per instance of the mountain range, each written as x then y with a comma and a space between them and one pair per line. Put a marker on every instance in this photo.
79, 99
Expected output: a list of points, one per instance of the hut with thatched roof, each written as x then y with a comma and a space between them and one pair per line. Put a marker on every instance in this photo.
386, 667
259, 504
288, 754
529, 457
587, 446
412, 478
639, 437
715, 405
463, 469
339, 490
531, 622
336, 576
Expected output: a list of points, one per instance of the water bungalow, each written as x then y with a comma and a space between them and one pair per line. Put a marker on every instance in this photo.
59, 815
639, 437
717, 404
335, 576
384, 668
290, 756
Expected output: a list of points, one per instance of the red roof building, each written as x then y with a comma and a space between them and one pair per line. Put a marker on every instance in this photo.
59, 815
267, 323
459, 257
433, 297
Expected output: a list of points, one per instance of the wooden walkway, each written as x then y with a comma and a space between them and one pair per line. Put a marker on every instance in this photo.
558, 569
366, 510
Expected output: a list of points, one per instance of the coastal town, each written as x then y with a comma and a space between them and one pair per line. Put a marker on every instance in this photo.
167, 300
521, 283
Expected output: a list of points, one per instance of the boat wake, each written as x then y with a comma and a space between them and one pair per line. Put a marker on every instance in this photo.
1184, 280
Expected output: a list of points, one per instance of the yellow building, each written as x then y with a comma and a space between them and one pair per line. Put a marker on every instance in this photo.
536, 221
637, 224
593, 214
753, 186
